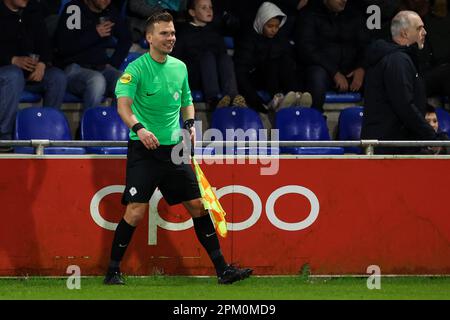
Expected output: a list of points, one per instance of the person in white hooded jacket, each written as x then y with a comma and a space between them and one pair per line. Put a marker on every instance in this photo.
263, 61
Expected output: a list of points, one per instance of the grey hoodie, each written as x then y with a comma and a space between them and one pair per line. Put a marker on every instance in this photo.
267, 11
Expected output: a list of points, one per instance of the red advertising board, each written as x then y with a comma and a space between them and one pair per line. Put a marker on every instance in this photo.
337, 216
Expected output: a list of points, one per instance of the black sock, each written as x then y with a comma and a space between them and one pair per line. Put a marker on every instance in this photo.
206, 234
122, 238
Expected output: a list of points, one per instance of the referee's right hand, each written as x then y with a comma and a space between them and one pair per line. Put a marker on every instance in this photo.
148, 139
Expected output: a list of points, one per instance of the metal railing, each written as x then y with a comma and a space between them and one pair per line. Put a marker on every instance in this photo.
367, 145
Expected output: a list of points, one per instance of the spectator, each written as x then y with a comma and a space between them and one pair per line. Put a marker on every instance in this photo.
432, 119
140, 10
331, 39
202, 48
388, 9
23, 34
293, 9
434, 59
394, 95
225, 18
82, 52
263, 61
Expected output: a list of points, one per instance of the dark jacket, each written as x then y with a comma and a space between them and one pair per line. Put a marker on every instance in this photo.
193, 41
437, 46
336, 42
395, 99
84, 46
23, 33
253, 51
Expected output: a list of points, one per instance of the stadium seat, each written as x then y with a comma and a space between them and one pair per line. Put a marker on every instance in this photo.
197, 96
247, 121
71, 98
349, 127
129, 58
265, 96
229, 42
444, 120
62, 5
30, 97
43, 123
346, 97
103, 123
303, 124
143, 43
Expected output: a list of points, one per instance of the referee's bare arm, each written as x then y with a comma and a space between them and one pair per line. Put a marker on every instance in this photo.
124, 108
189, 113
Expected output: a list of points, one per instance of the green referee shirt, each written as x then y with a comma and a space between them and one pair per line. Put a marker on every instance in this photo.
158, 91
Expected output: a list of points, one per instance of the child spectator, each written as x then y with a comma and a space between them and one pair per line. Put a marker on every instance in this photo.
201, 46
263, 61
431, 118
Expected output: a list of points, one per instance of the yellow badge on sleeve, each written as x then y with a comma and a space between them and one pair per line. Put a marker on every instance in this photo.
125, 78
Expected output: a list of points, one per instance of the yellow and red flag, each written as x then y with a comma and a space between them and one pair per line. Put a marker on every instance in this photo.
210, 201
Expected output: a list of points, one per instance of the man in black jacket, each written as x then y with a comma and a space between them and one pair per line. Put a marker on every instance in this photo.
22, 35
330, 42
82, 50
395, 97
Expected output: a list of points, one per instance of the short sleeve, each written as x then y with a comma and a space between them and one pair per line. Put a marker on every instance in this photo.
186, 97
126, 85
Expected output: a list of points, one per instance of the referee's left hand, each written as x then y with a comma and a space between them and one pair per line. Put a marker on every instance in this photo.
192, 137
148, 139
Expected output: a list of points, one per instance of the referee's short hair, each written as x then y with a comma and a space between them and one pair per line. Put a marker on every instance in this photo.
157, 17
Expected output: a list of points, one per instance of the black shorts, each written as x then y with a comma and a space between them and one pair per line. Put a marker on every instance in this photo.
148, 169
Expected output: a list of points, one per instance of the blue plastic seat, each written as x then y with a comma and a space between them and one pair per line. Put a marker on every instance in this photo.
229, 42
242, 124
264, 95
128, 59
304, 124
71, 98
62, 5
197, 96
349, 124
344, 97
143, 43
444, 120
104, 124
43, 123
30, 97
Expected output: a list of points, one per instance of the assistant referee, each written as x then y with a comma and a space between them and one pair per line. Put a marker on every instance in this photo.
150, 94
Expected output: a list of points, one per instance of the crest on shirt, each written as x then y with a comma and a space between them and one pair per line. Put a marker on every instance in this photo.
125, 78
176, 95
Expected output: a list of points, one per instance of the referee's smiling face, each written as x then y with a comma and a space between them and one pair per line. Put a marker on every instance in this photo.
162, 38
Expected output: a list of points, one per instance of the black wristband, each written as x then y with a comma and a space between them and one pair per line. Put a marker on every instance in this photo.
137, 127
188, 124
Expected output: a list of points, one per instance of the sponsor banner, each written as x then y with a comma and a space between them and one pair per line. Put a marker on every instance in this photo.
331, 216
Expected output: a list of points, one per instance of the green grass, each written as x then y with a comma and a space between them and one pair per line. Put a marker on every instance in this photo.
254, 288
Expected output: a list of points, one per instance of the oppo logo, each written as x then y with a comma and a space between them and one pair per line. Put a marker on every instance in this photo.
156, 221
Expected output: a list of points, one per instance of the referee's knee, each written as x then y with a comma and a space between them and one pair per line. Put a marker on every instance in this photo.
135, 212
195, 208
